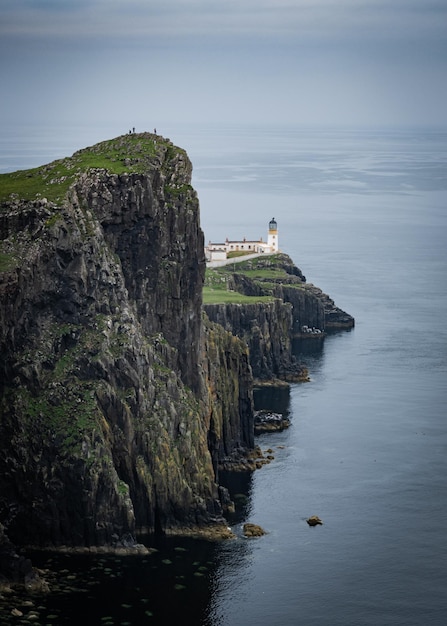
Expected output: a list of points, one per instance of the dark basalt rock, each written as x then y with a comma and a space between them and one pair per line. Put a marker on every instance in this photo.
17, 569
117, 398
266, 421
120, 399
266, 328
270, 329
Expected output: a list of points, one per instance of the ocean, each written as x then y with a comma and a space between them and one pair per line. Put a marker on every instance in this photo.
363, 213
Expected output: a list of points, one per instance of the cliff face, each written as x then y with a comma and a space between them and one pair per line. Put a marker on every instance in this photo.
113, 405
158, 241
311, 306
266, 328
230, 419
119, 397
270, 327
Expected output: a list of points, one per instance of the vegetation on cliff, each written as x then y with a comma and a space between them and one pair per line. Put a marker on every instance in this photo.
131, 154
111, 413
267, 303
125, 383
226, 284
267, 277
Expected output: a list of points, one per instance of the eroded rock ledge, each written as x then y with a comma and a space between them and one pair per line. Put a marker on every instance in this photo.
277, 307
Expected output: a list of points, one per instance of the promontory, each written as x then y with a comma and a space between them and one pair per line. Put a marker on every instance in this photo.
121, 393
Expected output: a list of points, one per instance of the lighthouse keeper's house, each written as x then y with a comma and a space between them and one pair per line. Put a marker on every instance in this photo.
220, 251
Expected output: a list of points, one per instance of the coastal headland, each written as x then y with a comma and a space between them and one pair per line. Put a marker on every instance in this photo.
127, 367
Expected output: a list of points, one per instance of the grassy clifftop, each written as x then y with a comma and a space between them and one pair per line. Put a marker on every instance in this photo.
217, 290
250, 281
125, 154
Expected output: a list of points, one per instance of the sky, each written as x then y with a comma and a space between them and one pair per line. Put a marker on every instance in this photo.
152, 62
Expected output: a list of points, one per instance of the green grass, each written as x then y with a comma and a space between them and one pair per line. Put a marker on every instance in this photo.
128, 153
68, 415
177, 191
223, 296
264, 274
7, 261
217, 277
215, 290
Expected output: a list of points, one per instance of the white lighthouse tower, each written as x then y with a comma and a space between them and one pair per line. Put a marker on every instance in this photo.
272, 240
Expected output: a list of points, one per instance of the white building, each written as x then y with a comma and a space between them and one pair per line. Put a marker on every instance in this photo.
219, 251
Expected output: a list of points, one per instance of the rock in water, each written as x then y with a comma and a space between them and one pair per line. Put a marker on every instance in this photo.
314, 520
267, 421
253, 530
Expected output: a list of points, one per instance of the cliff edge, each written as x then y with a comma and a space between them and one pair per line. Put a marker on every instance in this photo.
267, 303
111, 417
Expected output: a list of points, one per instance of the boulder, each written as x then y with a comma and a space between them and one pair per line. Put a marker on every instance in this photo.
267, 421
253, 530
314, 520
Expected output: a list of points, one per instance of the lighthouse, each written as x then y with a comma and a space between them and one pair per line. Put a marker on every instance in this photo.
272, 240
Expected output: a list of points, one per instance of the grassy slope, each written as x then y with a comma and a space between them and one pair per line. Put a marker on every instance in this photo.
128, 153
216, 289
223, 296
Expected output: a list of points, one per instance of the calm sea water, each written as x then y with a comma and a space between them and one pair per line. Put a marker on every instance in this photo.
364, 216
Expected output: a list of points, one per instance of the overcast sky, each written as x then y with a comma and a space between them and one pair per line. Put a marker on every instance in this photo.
356, 62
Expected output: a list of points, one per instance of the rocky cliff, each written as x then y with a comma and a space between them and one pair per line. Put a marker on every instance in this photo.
230, 420
279, 307
116, 398
120, 397
266, 328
